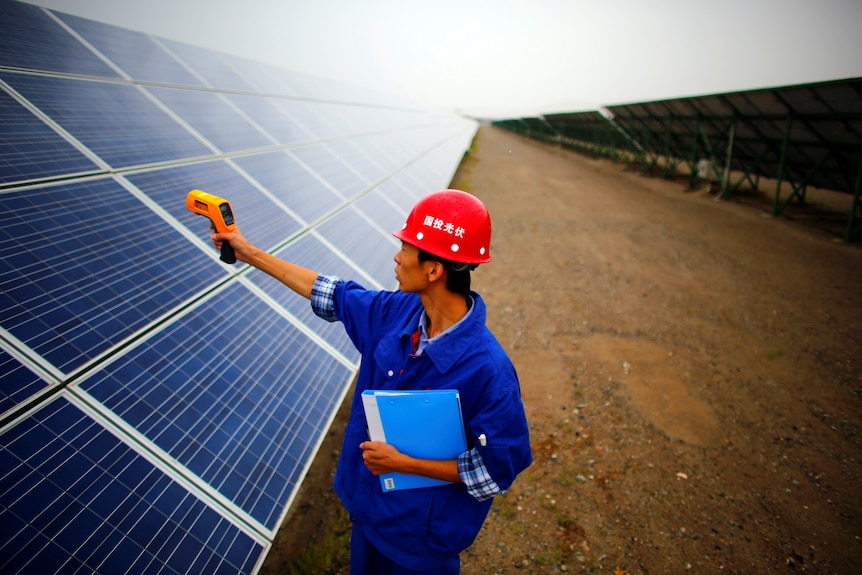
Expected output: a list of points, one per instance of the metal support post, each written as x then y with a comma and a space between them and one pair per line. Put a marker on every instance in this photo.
776, 202
725, 178
667, 136
692, 178
852, 229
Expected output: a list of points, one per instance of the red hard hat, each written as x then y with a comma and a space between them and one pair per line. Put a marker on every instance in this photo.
452, 225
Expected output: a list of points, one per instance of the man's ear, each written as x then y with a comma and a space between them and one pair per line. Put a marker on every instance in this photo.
436, 271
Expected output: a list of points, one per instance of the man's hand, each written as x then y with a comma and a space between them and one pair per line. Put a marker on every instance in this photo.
383, 458
297, 278
241, 247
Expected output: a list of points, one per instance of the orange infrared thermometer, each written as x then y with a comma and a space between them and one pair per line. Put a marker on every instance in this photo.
220, 215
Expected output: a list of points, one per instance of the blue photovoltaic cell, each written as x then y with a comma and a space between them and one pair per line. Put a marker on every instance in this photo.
213, 118
24, 30
381, 211
361, 119
266, 224
377, 148
439, 160
368, 247
352, 154
324, 89
17, 383
209, 65
291, 183
343, 117
85, 264
429, 174
457, 142
425, 175
264, 78
397, 190
407, 145
417, 183
135, 53
234, 392
388, 120
377, 119
309, 116
310, 253
271, 117
30, 150
116, 121
321, 160
75, 499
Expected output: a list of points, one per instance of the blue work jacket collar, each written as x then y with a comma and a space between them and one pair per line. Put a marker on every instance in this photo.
446, 351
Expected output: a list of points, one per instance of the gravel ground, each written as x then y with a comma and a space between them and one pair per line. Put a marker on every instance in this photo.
690, 368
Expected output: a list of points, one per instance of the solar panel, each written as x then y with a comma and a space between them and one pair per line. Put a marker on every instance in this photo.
270, 117
304, 193
363, 242
807, 135
352, 153
264, 78
208, 65
30, 150
159, 408
24, 30
590, 132
268, 224
398, 191
116, 121
379, 207
84, 265
312, 117
320, 159
238, 392
311, 252
138, 55
77, 498
796, 136
213, 117
18, 383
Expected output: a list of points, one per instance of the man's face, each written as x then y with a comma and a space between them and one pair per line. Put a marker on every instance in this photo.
409, 271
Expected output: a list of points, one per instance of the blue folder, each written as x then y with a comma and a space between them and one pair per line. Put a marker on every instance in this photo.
426, 424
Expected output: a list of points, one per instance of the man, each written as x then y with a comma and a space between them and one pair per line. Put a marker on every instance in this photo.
430, 334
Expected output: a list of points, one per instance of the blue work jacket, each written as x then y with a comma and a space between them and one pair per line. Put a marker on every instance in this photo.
416, 526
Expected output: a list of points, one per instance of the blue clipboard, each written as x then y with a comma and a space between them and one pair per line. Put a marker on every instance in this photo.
421, 423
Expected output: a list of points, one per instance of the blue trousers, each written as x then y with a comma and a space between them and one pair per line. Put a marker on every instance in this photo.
365, 559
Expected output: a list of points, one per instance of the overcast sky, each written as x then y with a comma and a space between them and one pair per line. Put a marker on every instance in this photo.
517, 58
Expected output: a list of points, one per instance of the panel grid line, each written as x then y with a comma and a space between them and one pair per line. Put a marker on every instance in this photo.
165, 462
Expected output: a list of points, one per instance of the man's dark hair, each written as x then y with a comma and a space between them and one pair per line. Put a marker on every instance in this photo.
457, 274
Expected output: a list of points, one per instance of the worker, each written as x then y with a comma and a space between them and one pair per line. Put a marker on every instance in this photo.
429, 334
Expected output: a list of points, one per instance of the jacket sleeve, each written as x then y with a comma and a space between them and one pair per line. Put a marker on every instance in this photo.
363, 312
500, 427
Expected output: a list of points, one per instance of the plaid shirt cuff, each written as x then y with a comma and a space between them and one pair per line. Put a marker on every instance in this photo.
475, 476
323, 296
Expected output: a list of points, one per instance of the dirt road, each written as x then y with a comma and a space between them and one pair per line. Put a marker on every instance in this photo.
691, 371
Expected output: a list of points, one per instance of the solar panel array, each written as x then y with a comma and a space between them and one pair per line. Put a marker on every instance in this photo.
158, 408
803, 135
810, 134
588, 132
